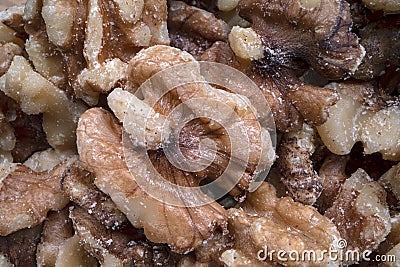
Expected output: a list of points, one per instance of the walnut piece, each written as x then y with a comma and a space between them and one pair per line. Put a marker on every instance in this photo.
320, 35
26, 196
47, 159
245, 43
360, 212
291, 101
194, 30
36, 95
93, 82
351, 120
389, 6
389, 181
56, 230
101, 152
157, 58
78, 185
7, 53
72, 253
279, 224
299, 176
332, 173
20, 247
382, 48
114, 248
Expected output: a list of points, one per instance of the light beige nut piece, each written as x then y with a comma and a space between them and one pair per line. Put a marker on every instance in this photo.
278, 224
7, 53
57, 228
101, 152
227, 5
59, 16
295, 164
140, 119
390, 181
333, 175
46, 59
388, 6
36, 95
100, 79
114, 248
26, 196
360, 213
47, 159
5, 262
72, 253
193, 29
78, 185
20, 247
246, 43
351, 120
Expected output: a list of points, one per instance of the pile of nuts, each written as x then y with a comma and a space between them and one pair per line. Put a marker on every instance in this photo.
77, 83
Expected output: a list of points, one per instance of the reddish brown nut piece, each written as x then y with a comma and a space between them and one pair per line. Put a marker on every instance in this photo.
27, 196
360, 212
78, 185
298, 174
194, 30
114, 248
157, 58
332, 173
278, 224
100, 149
290, 100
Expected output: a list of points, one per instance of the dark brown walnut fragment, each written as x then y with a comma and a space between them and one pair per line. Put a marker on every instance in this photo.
78, 185
318, 32
115, 248
265, 221
56, 230
360, 212
27, 196
27, 129
333, 175
290, 100
295, 164
20, 247
381, 42
194, 30
101, 152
